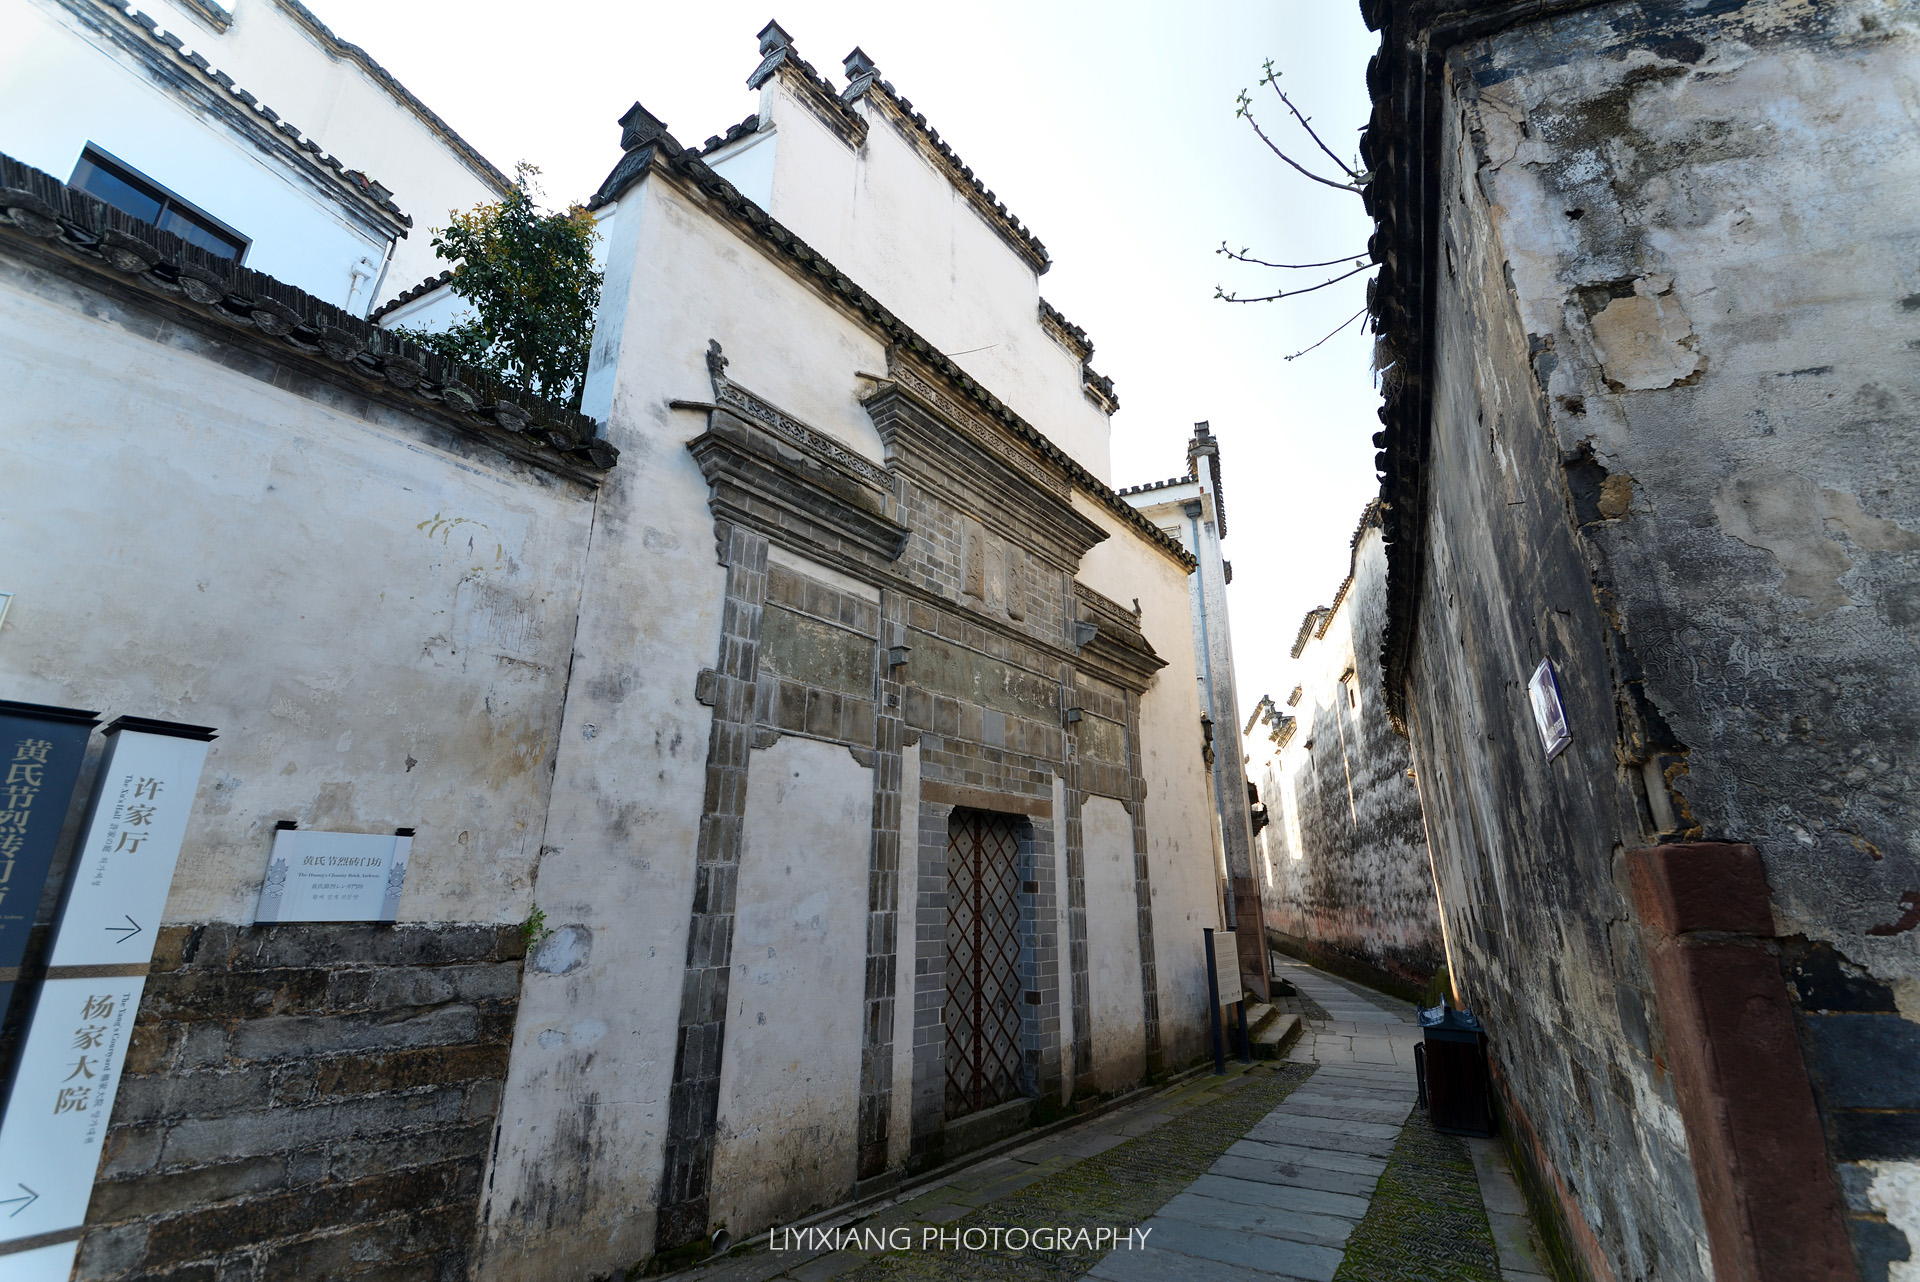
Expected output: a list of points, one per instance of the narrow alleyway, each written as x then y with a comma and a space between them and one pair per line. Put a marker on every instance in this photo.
1317, 1167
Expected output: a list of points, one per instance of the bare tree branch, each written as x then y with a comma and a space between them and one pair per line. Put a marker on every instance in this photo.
1244, 257
1224, 296
1336, 329
1273, 80
1246, 109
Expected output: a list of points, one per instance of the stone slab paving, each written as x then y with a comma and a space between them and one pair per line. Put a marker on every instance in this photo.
1308, 1169
1283, 1201
1521, 1257
1112, 1170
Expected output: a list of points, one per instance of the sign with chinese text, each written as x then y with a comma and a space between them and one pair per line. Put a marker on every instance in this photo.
333, 876
40, 754
76, 1039
1226, 966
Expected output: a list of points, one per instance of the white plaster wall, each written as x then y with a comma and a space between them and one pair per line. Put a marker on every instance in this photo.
749, 167
435, 312
59, 91
1180, 842
788, 1132
897, 226
378, 629
1114, 1002
625, 815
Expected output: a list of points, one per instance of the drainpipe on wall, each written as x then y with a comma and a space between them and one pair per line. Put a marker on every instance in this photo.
1217, 824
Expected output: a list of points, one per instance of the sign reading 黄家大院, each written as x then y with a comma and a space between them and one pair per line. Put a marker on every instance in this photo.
76, 1039
334, 876
41, 750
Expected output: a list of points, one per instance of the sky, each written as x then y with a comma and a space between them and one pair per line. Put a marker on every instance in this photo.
1109, 130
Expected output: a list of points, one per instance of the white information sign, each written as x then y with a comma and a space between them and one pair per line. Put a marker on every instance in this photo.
76, 1040
333, 876
1543, 692
1226, 966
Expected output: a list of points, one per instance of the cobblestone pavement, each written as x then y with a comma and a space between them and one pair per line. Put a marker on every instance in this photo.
1425, 1223
1307, 1168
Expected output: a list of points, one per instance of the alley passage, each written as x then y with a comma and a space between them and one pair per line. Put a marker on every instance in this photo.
1285, 1198
1316, 1167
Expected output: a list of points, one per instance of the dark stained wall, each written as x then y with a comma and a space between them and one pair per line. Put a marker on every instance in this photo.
1672, 410
1343, 855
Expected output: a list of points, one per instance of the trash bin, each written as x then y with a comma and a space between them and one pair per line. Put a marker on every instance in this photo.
1451, 1064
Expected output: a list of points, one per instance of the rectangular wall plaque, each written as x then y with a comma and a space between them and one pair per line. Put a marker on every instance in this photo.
333, 876
1226, 966
40, 754
76, 1040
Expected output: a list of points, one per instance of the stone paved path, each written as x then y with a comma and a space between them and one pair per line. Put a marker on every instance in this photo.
1283, 1201
1308, 1168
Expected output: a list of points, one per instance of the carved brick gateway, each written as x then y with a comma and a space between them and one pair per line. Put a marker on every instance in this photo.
918, 531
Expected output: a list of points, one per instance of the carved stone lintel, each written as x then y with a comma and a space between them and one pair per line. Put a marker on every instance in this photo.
1110, 641
799, 499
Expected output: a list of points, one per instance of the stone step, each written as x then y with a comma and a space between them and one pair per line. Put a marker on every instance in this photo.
1273, 1039
1259, 1015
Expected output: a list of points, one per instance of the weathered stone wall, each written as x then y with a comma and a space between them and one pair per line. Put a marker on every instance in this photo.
307, 1101
1672, 405
1344, 853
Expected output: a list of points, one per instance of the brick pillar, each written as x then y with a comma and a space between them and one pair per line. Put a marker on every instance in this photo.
1040, 960
1143, 890
694, 1103
1759, 1154
883, 902
928, 1111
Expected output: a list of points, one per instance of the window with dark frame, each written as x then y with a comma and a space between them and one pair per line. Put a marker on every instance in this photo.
127, 189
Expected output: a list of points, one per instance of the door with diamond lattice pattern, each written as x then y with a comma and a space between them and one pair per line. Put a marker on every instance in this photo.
983, 962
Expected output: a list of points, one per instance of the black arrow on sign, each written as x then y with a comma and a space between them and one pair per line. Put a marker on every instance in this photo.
24, 1202
127, 931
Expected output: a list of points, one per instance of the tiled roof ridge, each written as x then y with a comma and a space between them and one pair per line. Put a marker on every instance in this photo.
1269, 711
483, 168
1099, 389
646, 138
1097, 386
863, 82
1370, 517
36, 204
1071, 336
353, 181
406, 296
1206, 445
777, 52
1147, 487
751, 125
